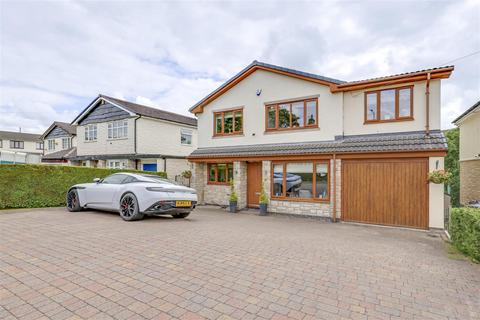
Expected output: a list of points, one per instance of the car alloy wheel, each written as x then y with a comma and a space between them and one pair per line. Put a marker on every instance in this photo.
72, 200
127, 206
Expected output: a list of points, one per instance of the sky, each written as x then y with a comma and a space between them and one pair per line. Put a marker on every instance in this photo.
57, 56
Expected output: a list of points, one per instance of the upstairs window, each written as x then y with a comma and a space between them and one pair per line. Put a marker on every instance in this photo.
389, 105
220, 173
1, 143
228, 122
292, 115
51, 144
16, 144
66, 143
186, 137
91, 132
118, 129
38, 144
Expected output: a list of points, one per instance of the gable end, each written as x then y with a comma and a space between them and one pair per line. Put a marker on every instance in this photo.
104, 112
57, 132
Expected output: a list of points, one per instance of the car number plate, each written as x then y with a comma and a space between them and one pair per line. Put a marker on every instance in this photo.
183, 203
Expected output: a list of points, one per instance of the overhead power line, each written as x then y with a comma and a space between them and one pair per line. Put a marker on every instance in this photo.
462, 57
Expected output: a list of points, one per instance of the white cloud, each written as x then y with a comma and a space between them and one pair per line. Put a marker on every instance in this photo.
55, 57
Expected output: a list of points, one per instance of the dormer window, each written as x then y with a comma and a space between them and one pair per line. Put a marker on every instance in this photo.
389, 105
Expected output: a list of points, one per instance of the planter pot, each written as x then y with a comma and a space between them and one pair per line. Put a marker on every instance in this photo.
263, 209
233, 206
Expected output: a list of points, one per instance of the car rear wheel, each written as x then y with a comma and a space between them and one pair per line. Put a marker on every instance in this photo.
73, 205
129, 210
180, 215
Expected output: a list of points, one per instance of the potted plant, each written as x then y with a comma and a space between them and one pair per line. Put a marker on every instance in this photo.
439, 176
233, 198
263, 202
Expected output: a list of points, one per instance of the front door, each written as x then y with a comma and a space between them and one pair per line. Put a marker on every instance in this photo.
254, 183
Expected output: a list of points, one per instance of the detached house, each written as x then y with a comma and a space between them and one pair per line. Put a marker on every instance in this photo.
469, 126
114, 133
19, 147
60, 143
356, 151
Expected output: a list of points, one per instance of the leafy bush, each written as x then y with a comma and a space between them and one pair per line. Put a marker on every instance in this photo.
233, 194
263, 199
452, 165
35, 186
465, 231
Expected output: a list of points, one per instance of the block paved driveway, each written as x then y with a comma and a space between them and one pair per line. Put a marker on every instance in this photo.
215, 265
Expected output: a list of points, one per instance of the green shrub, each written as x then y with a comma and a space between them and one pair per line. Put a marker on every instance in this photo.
465, 231
35, 186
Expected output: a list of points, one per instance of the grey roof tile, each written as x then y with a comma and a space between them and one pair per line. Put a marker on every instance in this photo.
20, 136
406, 141
62, 154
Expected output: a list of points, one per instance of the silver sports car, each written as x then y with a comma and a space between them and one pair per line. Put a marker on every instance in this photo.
133, 195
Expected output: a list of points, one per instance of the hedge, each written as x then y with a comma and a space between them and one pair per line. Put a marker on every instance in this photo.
464, 230
36, 186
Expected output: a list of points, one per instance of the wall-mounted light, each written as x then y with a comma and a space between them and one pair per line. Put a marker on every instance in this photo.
259, 92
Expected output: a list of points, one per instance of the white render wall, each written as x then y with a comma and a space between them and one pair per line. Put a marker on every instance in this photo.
470, 137
28, 147
338, 113
436, 196
274, 87
58, 144
103, 145
354, 111
162, 137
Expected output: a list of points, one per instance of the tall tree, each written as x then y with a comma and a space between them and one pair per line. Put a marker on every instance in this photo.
452, 164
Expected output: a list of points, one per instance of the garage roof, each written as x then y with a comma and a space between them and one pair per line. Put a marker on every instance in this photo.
392, 142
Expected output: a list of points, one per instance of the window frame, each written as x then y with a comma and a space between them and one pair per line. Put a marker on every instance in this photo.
117, 126
91, 130
51, 144
222, 113
38, 145
1, 143
187, 132
290, 102
397, 105
216, 182
314, 181
68, 144
13, 144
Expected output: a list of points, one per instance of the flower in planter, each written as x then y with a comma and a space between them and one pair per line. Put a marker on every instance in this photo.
263, 196
439, 176
187, 174
233, 194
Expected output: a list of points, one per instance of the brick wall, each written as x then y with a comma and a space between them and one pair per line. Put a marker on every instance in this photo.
469, 181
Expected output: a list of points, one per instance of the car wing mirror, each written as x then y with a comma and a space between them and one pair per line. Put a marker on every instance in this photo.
97, 180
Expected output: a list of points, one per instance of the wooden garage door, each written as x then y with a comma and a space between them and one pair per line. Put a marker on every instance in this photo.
390, 192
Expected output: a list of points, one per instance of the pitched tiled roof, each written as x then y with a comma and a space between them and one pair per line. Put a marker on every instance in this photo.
395, 75
72, 130
20, 136
393, 142
256, 63
123, 156
62, 154
152, 112
475, 106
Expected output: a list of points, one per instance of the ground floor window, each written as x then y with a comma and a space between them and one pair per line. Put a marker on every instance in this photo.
301, 180
220, 173
116, 164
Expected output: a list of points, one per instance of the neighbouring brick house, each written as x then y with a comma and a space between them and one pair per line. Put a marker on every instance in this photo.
60, 143
469, 126
115, 133
356, 151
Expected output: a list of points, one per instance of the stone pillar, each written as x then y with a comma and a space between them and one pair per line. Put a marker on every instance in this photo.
198, 180
240, 182
338, 190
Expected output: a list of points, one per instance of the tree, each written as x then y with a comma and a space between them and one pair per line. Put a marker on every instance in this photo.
452, 164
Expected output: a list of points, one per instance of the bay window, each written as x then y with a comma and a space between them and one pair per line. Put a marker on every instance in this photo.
308, 180
389, 105
292, 115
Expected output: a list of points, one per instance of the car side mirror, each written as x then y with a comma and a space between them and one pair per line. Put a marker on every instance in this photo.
97, 180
